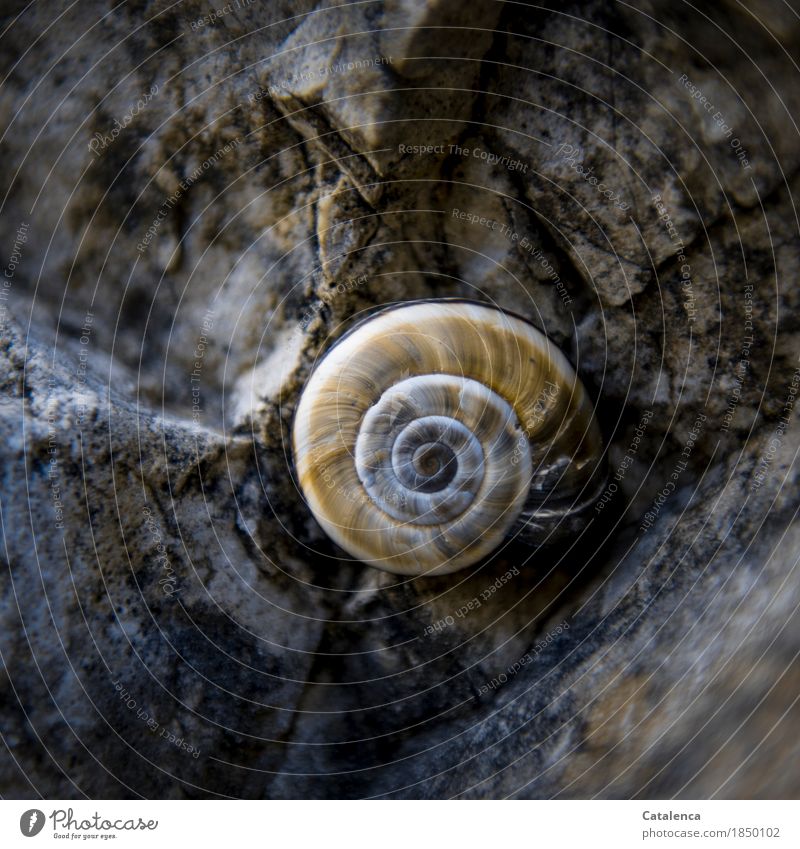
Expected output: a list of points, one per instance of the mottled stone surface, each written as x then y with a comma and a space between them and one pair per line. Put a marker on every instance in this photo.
174, 623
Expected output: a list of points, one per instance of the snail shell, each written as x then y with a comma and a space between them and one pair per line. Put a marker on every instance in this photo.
434, 430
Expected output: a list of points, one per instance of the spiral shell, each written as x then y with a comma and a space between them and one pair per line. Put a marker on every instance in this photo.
434, 430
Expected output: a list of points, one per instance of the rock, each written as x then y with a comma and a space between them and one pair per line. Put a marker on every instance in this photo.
200, 212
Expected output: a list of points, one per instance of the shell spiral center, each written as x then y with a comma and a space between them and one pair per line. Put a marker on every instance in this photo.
434, 445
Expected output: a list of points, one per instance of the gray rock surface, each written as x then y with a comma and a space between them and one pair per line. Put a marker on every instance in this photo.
194, 207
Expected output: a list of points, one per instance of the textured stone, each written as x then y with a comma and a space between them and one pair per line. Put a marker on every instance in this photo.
161, 555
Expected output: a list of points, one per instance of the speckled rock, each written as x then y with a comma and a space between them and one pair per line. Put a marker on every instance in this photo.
192, 217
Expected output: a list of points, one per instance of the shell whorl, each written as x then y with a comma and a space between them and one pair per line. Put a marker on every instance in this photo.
435, 429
